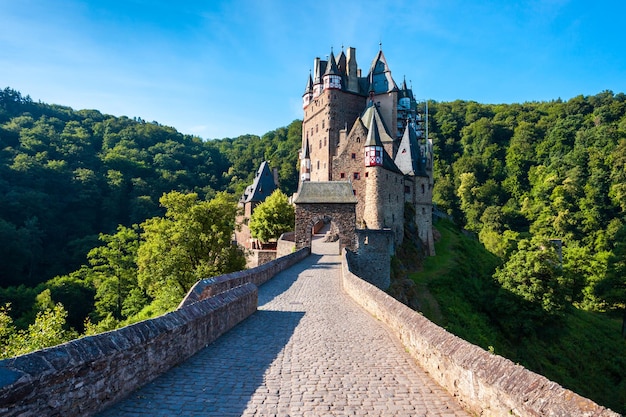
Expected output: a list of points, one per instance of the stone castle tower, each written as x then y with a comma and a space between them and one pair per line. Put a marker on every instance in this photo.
369, 131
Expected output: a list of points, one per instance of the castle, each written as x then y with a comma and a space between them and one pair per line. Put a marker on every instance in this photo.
369, 132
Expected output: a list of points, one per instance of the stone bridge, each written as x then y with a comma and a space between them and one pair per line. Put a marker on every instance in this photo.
321, 342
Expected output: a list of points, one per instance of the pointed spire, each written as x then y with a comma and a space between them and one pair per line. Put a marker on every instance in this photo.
381, 72
306, 149
411, 155
371, 91
305, 162
331, 67
342, 64
309, 85
373, 135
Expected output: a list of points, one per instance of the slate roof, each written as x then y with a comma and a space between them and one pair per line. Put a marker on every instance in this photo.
331, 69
381, 79
377, 135
371, 113
410, 157
328, 192
306, 149
262, 186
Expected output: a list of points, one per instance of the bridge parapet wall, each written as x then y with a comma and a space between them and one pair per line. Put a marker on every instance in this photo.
485, 383
212, 286
84, 376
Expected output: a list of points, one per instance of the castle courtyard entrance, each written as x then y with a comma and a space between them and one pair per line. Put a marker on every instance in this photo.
325, 214
323, 242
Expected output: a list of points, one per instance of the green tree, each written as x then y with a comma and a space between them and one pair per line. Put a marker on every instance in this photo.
114, 271
533, 291
7, 330
193, 241
49, 329
534, 273
612, 289
272, 217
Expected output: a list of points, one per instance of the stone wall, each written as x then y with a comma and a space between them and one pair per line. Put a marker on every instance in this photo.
257, 257
84, 376
486, 384
342, 215
212, 286
286, 244
372, 259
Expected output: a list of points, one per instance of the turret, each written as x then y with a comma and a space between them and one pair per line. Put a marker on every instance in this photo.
305, 162
373, 147
406, 97
331, 78
308, 92
317, 76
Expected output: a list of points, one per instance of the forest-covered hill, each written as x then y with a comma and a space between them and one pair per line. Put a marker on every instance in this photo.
543, 171
67, 175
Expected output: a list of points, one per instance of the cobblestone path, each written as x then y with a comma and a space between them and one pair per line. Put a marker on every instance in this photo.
308, 351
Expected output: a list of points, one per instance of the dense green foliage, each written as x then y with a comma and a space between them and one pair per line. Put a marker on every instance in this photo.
66, 176
272, 218
546, 170
581, 350
192, 242
136, 273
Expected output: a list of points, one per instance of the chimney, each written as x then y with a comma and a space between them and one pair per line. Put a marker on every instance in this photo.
353, 71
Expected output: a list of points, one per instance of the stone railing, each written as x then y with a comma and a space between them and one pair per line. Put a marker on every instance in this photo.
486, 384
211, 286
84, 376
286, 244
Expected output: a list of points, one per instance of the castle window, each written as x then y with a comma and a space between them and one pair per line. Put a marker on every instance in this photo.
323, 124
342, 175
389, 198
407, 189
324, 141
367, 174
423, 189
353, 156
320, 144
354, 191
316, 128
318, 164
358, 140
356, 176
423, 210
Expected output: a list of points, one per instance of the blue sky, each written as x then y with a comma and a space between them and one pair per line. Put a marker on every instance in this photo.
220, 69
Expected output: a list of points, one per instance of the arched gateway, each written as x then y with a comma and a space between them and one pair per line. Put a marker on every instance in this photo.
328, 202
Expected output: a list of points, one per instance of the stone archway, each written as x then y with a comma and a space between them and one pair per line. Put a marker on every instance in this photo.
329, 202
